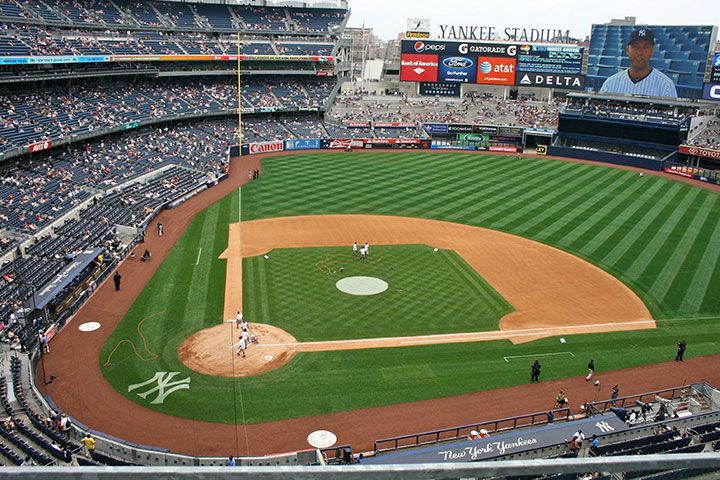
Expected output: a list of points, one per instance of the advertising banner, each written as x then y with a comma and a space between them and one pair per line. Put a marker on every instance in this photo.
36, 147
492, 63
502, 149
541, 149
567, 81
700, 152
711, 91
679, 172
496, 70
436, 127
490, 130
392, 141
514, 132
453, 147
459, 128
395, 124
473, 138
302, 144
457, 69
550, 59
358, 124
264, 147
418, 68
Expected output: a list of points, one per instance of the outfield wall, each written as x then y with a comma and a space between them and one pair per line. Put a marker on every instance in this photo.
288, 146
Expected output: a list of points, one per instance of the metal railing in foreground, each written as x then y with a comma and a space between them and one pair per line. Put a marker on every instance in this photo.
683, 391
631, 463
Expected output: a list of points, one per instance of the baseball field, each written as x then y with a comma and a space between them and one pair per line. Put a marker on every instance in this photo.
488, 261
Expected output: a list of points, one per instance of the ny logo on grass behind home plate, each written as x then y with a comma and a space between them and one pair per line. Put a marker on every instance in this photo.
164, 381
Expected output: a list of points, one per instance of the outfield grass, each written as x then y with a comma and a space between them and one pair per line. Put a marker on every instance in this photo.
660, 237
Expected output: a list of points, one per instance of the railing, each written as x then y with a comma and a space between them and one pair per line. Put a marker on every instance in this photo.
457, 433
601, 407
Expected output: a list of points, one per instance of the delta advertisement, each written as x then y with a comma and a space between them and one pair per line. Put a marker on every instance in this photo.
431, 61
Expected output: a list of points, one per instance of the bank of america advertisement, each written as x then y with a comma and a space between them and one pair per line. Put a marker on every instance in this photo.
492, 64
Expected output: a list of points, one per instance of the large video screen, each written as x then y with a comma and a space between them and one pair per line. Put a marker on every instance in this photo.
649, 60
492, 64
715, 75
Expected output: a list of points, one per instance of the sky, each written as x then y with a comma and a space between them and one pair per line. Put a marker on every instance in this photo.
389, 17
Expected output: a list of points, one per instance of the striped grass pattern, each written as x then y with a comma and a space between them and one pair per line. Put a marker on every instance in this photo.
660, 237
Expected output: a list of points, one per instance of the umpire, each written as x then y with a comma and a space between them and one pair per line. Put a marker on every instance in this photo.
535, 372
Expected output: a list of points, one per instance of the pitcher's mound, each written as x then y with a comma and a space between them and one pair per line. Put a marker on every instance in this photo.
208, 351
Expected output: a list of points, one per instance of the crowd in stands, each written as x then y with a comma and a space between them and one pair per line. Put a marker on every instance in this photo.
627, 111
98, 185
709, 137
50, 114
133, 14
473, 108
32, 40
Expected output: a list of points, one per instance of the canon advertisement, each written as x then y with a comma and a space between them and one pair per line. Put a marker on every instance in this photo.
430, 61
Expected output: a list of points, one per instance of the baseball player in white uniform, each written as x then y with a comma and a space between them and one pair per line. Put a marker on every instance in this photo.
238, 319
355, 249
244, 338
367, 249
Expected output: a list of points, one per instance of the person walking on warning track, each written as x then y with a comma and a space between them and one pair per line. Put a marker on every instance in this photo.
614, 393
681, 351
116, 280
591, 370
535, 372
355, 249
160, 229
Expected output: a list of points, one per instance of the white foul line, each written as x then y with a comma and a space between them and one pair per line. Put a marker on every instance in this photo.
197, 262
470, 339
538, 355
467, 336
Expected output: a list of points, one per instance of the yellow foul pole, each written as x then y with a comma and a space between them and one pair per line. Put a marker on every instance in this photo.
239, 96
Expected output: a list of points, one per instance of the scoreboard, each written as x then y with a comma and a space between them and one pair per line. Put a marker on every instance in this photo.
715, 75
492, 63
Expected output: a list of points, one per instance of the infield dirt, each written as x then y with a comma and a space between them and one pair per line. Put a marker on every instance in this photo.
553, 292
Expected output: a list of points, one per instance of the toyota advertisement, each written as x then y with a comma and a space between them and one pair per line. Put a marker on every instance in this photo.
492, 64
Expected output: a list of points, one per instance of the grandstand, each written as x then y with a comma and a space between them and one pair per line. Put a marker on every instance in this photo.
94, 145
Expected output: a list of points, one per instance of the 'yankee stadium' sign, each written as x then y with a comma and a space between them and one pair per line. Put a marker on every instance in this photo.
511, 34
